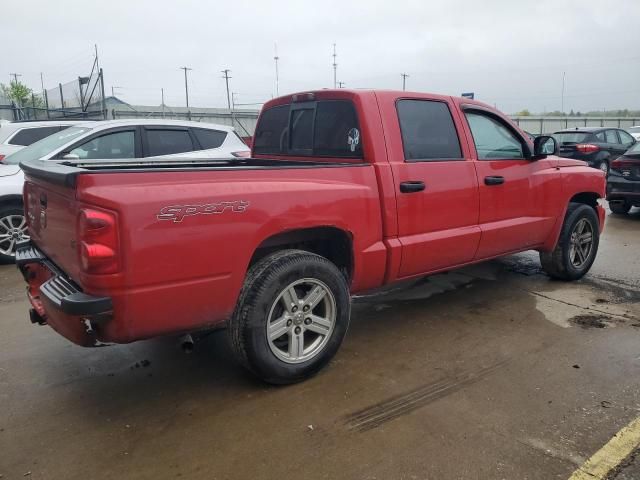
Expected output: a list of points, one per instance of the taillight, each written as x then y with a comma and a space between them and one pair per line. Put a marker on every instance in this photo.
242, 154
2, 158
621, 162
587, 148
98, 241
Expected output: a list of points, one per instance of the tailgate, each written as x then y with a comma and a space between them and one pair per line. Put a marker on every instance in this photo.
51, 211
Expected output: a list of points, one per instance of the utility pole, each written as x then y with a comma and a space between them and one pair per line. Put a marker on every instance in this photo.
15, 77
275, 59
335, 68
162, 93
562, 104
186, 86
226, 79
404, 81
340, 84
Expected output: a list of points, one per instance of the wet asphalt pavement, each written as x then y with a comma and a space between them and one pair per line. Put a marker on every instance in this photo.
491, 372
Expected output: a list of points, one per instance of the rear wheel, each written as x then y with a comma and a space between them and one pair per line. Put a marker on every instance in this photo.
621, 208
13, 228
577, 246
292, 315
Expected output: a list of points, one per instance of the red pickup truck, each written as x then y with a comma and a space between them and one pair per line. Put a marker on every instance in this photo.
345, 191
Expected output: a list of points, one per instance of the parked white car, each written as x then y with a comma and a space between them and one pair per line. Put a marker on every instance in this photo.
112, 139
15, 136
634, 131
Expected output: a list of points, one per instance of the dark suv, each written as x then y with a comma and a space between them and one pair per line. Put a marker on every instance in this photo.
623, 184
598, 146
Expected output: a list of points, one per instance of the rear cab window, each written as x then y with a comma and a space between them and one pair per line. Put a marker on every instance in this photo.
323, 128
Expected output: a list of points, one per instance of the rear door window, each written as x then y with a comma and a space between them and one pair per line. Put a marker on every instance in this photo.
324, 129
428, 131
167, 142
27, 136
209, 138
611, 136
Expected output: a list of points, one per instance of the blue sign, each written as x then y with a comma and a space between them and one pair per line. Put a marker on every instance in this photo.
468, 95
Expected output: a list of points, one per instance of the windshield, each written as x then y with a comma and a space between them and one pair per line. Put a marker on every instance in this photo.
571, 137
45, 146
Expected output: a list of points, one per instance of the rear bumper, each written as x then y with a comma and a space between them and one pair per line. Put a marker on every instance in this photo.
620, 188
57, 301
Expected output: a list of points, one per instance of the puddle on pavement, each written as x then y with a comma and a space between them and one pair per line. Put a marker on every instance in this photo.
592, 321
587, 303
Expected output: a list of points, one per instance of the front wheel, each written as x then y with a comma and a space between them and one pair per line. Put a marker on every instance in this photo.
292, 315
577, 246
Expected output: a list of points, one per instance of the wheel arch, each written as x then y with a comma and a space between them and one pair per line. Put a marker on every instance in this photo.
589, 198
331, 242
586, 198
11, 199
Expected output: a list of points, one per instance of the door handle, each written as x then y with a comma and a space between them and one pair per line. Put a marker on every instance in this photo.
493, 180
412, 186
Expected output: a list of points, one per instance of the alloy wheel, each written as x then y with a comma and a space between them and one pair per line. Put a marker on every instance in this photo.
581, 243
301, 320
13, 228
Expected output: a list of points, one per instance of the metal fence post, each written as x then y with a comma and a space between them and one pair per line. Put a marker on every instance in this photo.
64, 113
104, 103
46, 102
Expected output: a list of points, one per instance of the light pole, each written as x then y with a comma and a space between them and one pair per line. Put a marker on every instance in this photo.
186, 85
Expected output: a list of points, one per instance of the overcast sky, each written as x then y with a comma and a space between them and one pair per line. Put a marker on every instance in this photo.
510, 53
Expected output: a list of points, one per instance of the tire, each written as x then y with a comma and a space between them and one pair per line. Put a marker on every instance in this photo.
566, 262
12, 228
261, 315
620, 208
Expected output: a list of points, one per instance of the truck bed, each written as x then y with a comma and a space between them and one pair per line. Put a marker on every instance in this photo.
65, 173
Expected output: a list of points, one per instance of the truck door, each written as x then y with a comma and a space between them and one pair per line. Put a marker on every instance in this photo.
436, 185
518, 196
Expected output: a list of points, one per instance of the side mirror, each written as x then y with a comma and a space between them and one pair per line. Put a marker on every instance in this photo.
71, 156
544, 145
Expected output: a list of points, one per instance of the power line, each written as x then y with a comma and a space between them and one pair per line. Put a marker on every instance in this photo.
226, 79
15, 77
186, 85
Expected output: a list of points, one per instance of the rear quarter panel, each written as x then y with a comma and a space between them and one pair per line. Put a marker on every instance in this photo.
183, 275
